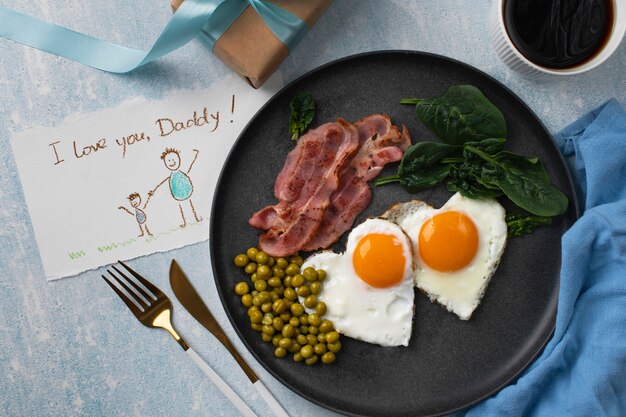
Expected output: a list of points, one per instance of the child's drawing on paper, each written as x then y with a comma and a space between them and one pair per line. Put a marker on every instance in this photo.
180, 184
139, 213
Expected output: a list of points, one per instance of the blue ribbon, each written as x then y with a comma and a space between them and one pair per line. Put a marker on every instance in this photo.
207, 18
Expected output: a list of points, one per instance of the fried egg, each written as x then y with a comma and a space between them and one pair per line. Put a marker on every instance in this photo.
457, 248
368, 289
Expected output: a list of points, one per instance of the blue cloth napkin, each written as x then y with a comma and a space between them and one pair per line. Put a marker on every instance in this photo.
582, 371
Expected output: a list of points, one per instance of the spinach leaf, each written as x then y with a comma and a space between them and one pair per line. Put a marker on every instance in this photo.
465, 179
302, 112
422, 166
524, 181
519, 224
489, 145
462, 114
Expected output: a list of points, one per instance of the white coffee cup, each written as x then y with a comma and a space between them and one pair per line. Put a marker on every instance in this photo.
518, 62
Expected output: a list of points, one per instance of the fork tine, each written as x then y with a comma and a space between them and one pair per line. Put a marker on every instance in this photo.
149, 298
157, 292
128, 303
130, 292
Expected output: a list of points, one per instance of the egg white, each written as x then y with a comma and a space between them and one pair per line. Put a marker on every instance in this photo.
382, 316
459, 291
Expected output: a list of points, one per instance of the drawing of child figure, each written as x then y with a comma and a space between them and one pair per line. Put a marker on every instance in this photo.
180, 184
140, 215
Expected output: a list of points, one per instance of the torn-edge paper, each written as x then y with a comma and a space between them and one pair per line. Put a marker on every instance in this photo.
132, 180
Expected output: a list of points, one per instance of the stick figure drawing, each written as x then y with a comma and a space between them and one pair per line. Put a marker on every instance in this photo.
140, 215
180, 184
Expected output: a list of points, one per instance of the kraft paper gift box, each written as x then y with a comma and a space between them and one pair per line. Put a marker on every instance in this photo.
250, 48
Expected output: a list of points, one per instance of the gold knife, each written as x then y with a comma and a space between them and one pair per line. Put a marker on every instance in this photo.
189, 298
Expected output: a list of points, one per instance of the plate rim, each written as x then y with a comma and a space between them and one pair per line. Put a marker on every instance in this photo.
553, 306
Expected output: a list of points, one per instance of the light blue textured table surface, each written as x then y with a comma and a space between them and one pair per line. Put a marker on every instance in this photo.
69, 348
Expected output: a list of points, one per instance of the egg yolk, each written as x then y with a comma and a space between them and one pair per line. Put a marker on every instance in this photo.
448, 241
379, 260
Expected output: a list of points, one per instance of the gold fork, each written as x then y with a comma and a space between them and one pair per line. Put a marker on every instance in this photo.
154, 309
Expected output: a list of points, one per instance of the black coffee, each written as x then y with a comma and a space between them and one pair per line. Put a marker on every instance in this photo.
558, 33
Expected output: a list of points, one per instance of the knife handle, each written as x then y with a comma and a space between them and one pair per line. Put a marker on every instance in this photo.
267, 396
221, 384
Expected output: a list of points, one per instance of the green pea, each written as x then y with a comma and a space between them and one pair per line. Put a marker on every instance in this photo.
274, 296
285, 316
246, 300
280, 352
287, 282
315, 287
298, 357
321, 275
280, 290
302, 339
334, 347
314, 319
271, 262
263, 271
241, 260
332, 337
250, 268
252, 309
310, 301
328, 358
262, 258
321, 308
279, 306
266, 337
304, 319
278, 272
312, 360
304, 329
297, 280
256, 301
282, 263
294, 347
278, 324
252, 253
292, 269
267, 319
276, 339
254, 277
314, 330
294, 321
319, 349
274, 282
297, 309
296, 259
264, 297
267, 329
326, 326
290, 294
310, 274
256, 317
311, 340
306, 351
260, 285
284, 342
288, 330
303, 291
257, 327
321, 337
266, 307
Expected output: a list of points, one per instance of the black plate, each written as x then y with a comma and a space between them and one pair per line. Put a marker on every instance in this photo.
449, 364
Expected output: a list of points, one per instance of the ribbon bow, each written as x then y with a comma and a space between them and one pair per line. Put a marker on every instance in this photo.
208, 19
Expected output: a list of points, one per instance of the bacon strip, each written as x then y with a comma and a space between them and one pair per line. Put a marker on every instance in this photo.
304, 186
322, 187
381, 143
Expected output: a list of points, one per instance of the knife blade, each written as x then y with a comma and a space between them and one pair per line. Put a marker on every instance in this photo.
191, 300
